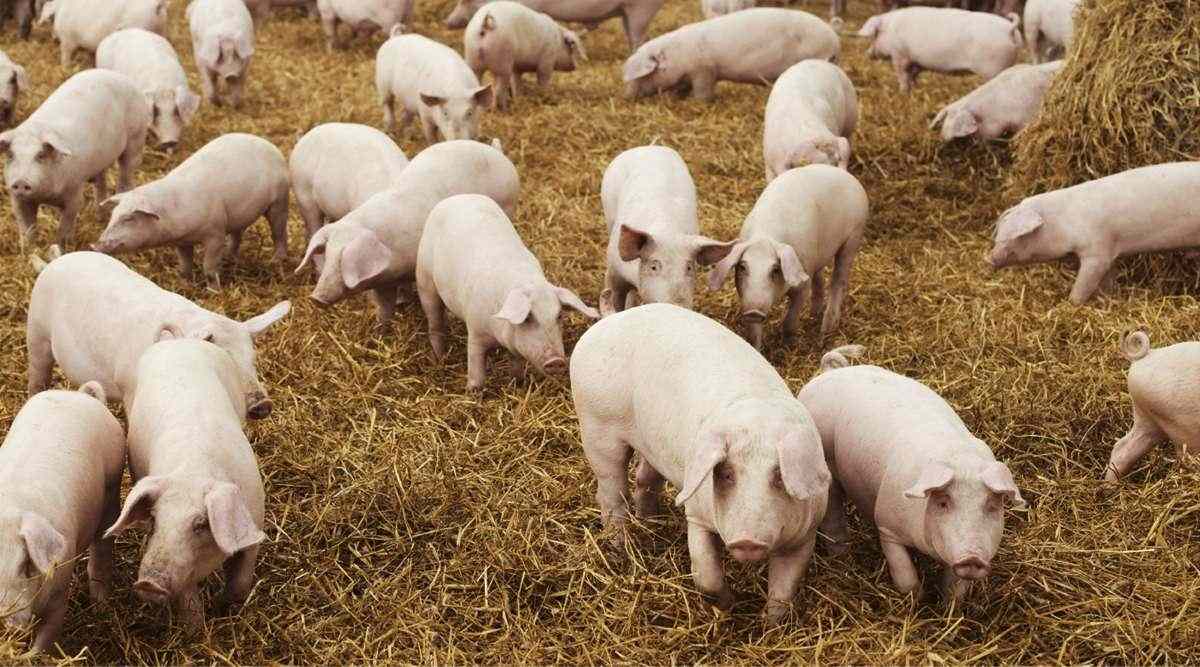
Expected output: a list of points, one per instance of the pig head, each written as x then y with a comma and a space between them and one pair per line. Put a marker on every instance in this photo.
1023, 236
355, 259
652, 68
136, 221
765, 271
457, 116
13, 80
226, 52
170, 112
462, 13
30, 549
667, 262
528, 324
36, 157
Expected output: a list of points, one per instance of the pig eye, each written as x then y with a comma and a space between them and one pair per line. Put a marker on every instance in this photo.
654, 266
154, 111
28, 570
942, 501
691, 267
741, 266
200, 525
723, 474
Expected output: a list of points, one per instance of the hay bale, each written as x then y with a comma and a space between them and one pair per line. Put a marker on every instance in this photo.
1129, 96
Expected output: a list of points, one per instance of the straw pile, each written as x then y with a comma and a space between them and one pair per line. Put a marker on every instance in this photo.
410, 521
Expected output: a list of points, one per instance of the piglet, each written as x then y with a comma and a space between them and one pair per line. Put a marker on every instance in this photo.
907, 462
715, 419
363, 17
13, 81
211, 197
223, 45
806, 219
1148, 209
472, 263
194, 475
1006, 104
811, 114
429, 80
83, 24
151, 63
714, 8
1049, 27
654, 242
60, 471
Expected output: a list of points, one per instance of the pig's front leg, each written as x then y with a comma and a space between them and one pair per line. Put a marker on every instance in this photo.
1092, 269
100, 182
786, 571
477, 349
704, 84
707, 570
796, 300
41, 363
903, 68
435, 318
188, 609
833, 526
900, 564
208, 85
954, 588
233, 88
544, 71
214, 252
428, 128
26, 215
649, 485
384, 297
72, 202
187, 260
520, 367
239, 577
52, 618
100, 557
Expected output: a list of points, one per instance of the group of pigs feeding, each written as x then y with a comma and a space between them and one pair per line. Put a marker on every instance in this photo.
759, 471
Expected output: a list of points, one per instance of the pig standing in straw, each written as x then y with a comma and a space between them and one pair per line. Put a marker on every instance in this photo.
60, 486
636, 15
472, 263
150, 62
195, 476
1005, 104
810, 117
717, 421
223, 45
13, 80
363, 17
83, 24
905, 459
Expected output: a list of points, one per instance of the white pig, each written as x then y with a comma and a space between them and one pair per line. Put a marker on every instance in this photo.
211, 197
715, 419
375, 246
83, 24
326, 187
13, 80
95, 317
907, 461
194, 475
805, 220
151, 63
635, 15
223, 45
811, 114
715, 8
1049, 26
429, 80
1164, 402
94, 119
260, 10
1147, 209
362, 17
654, 242
1005, 104
60, 486
943, 40
472, 263
510, 39
750, 46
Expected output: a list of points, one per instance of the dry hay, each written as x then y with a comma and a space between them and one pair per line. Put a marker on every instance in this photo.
412, 522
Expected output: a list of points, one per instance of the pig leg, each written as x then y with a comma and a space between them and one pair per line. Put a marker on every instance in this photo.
53, 616
129, 162
234, 248
636, 20
387, 102
839, 283
953, 587
519, 368
384, 297
277, 215
900, 564
704, 83
41, 360
72, 202
213, 248
187, 261
435, 316
784, 574
1141, 438
903, 69
208, 85
100, 182
833, 526
609, 457
1092, 269
816, 306
505, 90
796, 300
26, 211
329, 24
478, 347
188, 609
66, 52
239, 577
649, 486
100, 557
545, 70
428, 128
707, 571
235, 86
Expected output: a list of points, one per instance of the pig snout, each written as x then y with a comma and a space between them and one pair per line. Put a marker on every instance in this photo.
554, 366
971, 567
21, 188
259, 406
747, 550
151, 590
754, 317
168, 146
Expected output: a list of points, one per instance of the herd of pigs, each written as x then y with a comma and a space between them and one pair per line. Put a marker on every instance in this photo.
760, 471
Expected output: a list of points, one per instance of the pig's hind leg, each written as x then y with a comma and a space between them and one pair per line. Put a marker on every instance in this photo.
649, 486
707, 570
41, 360
609, 455
277, 216
1141, 438
100, 557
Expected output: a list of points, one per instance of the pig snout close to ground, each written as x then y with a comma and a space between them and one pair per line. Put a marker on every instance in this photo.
195, 477
635, 15
943, 40
811, 114
1003, 105
374, 247
222, 34
208, 200
805, 220
83, 24
1049, 27
509, 39
363, 17
95, 119
13, 81
654, 245
150, 61
60, 485
713, 418
906, 460
1162, 387
1148, 209
95, 316
430, 81
472, 263
751, 46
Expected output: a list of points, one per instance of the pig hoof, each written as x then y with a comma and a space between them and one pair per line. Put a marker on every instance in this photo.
98, 590
723, 599
775, 613
838, 548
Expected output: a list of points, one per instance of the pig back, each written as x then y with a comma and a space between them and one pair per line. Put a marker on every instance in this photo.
95, 112
759, 44
650, 189
583, 11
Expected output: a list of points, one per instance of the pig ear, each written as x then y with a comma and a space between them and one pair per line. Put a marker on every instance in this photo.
789, 265
46, 546
571, 300
365, 258
316, 245
574, 44
243, 45
710, 450
998, 479
484, 96
960, 124
233, 529
631, 243
432, 100
934, 477
720, 272
516, 307
141, 498
708, 251
187, 102
871, 27
1017, 222
802, 466
53, 143
843, 152
20, 77
260, 323
6, 141
47, 15
639, 65
210, 49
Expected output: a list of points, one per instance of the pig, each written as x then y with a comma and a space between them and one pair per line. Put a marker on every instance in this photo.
907, 461
1049, 25
13, 81
260, 10
431, 81
654, 241
510, 39
1006, 104
23, 11
943, 40
1164, 405
811, 113
806, 219
95, 317
195, 477
750, 46
60, 468
327, 191
214, 195
744, 455
223, 45
83, 24
363, 18
1148, 209
374, 247
472, 262
636, 15
94, 119
714, 8
150, 61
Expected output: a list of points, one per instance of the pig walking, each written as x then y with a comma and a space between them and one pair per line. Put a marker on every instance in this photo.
635, 15
905, 459
223, 45
208, 200
13, 80
195, 476
472, 263
1149, 209
60, 486
363, 18
150, 62
810, 117
717, 421
83, 24
94, 119
1006, 104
